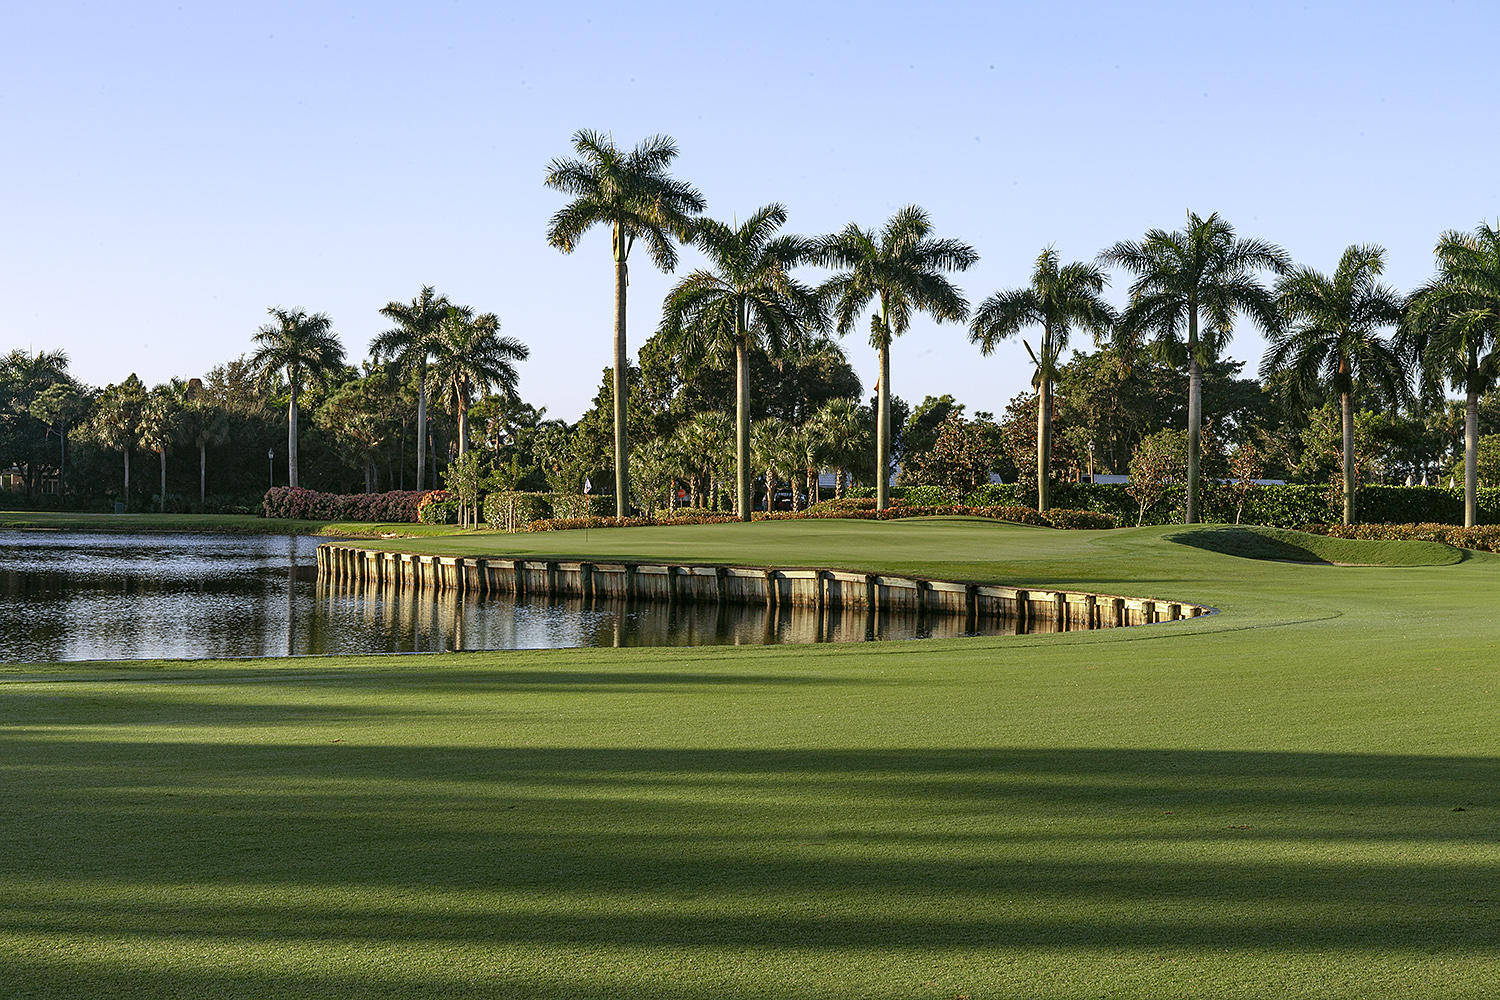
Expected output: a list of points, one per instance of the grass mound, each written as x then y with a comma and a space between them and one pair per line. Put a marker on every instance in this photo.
1250, 542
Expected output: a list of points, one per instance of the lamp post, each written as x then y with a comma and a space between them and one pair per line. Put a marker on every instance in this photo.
271, 465
1091, 463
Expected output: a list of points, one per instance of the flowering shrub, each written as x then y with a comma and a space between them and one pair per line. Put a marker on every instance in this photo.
397, 506
568, 523
438, 507
1484, 538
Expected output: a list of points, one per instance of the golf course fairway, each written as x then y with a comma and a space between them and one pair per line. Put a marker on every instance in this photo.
1296, 797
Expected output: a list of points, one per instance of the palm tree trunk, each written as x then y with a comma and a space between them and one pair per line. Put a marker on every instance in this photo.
741, 424
1043, 443
1195, 416
463, 424
127, 477
883, 430
421, 424
622, 446
1348, 419
202, 474
1471, 459
291, 438
463, 447
163, 500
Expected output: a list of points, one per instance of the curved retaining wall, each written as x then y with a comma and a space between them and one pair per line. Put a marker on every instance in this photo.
1061, 610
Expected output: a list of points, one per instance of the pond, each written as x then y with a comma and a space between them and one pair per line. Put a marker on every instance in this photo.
68, 596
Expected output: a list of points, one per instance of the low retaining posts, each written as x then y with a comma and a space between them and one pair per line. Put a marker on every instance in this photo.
1031, 609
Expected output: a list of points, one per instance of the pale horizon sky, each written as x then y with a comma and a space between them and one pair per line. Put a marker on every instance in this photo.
173, 170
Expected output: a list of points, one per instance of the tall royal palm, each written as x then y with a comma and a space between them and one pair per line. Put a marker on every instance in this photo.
901, 269
303, 346
1189, 286
1057, 299
1453, 324
633, 195
410, 344
471, 359
747, 299
1331, 337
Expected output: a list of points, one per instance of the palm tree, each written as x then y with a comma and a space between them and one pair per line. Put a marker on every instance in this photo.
115, 420
1330, 336
900, 268
1453, 326
472, 359
1203, 272
769, 451
1057, 298
305, 348
748, 300
655, 473
838, 428
203, 421
158, 427
410, 345
633, 195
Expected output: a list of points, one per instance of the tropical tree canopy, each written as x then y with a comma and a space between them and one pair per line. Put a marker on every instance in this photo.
901, 270
1058, 298
1453, 328
633, 194
303, 346
1190, 284
748, 298
409, 344
1330, 336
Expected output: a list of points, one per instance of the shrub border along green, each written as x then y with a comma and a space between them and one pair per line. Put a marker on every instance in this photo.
1483, 538
1056, 518
1277, 506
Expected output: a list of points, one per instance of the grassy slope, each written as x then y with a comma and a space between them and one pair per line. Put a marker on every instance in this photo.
1258, 803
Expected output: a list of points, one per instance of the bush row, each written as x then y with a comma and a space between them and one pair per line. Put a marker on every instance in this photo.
513, 510
568, 523
1280, 506
1485, 538
1056, 518
397, 506
438, 507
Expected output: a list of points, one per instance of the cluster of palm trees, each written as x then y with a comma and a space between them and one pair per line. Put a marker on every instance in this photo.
701, 459
128, 415
1346, 332
449, 350
747, 295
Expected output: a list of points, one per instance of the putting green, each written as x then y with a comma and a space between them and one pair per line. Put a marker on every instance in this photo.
1297, 797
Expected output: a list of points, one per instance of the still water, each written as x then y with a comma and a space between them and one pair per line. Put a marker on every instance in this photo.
86, 596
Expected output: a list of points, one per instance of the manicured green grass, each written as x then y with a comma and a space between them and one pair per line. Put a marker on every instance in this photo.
1299, 797
1254, 542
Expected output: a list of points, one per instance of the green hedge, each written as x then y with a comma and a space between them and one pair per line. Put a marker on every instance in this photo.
514, 510
439, 512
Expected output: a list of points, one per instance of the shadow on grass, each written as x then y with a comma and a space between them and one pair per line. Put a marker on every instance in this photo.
1249, 543
565, 849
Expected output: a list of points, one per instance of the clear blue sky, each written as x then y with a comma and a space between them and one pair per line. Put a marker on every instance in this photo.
171, 170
